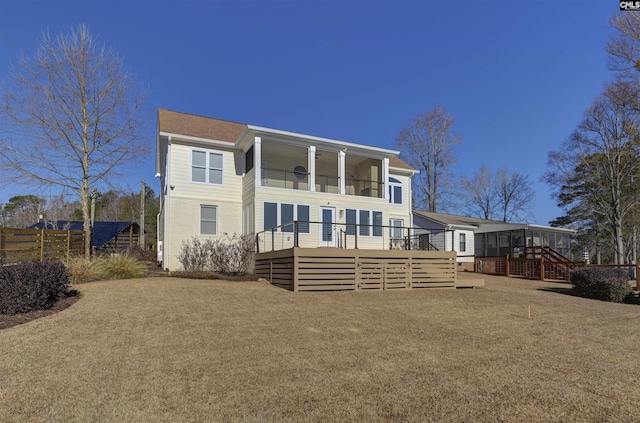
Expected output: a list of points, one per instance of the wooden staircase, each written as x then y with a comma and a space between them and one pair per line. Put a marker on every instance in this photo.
556, 266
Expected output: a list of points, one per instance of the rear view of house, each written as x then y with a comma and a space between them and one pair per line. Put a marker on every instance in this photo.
220, 177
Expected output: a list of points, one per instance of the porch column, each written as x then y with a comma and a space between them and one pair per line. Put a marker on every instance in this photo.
341, 172
257, 160
385, 178
311, 165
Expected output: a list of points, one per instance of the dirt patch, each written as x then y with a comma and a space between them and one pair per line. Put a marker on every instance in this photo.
8, 321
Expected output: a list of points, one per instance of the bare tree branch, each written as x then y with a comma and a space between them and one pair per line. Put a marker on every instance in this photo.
72, 117
426, 143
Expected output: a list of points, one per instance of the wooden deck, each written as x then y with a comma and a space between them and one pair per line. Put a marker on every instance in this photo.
322, 269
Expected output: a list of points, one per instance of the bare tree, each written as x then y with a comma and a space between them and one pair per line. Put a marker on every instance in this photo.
72, 117
502, 195
426, 143
478, 194
515, 197
624, 45
596, 168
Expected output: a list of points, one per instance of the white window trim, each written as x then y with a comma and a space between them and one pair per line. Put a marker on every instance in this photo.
460, 235
207, 166
217, 219
392, 227
392, 185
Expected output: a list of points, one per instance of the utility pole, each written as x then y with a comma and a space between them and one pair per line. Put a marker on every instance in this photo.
142, 195
93, 219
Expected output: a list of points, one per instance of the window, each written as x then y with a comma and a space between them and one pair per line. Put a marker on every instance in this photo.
395, 230
351, 221
395, 191
248, 159
463, 243
364, 223
208, 220
206, 167
377, 223
276, 214
368, 223
303, 219
286, 216
247, 219
270, 215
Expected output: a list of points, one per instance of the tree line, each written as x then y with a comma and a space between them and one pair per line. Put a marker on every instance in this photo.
594, 173
22, 211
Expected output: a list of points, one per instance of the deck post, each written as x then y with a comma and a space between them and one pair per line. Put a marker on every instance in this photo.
295, 233
294, 273
356, 236
273, 239
541, 268
506, 266
68, 244
41, 244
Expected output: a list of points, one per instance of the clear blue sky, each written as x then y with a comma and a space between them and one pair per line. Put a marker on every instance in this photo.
517, 75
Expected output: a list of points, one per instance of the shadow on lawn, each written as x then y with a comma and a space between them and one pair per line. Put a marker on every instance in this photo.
632, 298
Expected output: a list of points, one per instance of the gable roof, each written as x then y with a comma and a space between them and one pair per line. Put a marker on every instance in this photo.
103, 232
199, 126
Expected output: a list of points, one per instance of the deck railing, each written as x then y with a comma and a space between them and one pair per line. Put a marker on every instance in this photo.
542, 268
342, 235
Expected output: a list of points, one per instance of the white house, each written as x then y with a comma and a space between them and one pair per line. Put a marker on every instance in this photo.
446, 232
473, 237
220, 177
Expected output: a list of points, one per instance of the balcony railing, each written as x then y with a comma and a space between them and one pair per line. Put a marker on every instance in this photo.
280, 178
291, 179
364, 188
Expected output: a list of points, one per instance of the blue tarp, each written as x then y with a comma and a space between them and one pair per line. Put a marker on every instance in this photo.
103, 232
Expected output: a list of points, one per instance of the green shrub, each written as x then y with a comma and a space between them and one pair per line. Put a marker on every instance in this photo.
83, 269
32, 285
123, 266
602, 283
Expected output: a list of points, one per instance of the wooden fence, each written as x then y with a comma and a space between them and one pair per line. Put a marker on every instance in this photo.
18, 245
320, 269
539, 268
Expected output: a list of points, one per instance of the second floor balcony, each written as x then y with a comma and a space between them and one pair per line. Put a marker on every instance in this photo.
307, 168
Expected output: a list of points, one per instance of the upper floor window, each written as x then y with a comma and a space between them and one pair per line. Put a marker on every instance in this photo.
206, 167
395, 191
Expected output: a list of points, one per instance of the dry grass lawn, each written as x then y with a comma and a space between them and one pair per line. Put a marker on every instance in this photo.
176, 350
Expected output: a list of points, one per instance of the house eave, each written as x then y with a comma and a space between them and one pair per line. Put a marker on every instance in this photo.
331, 143
180, 137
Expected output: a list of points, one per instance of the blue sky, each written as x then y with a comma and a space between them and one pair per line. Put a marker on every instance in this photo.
517, 75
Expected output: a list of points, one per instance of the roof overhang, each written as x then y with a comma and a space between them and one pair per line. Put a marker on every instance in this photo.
329, 144
498, 227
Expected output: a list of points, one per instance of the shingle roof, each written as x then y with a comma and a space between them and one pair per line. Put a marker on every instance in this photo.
397, 162
199, 126
452, 219
103, 232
